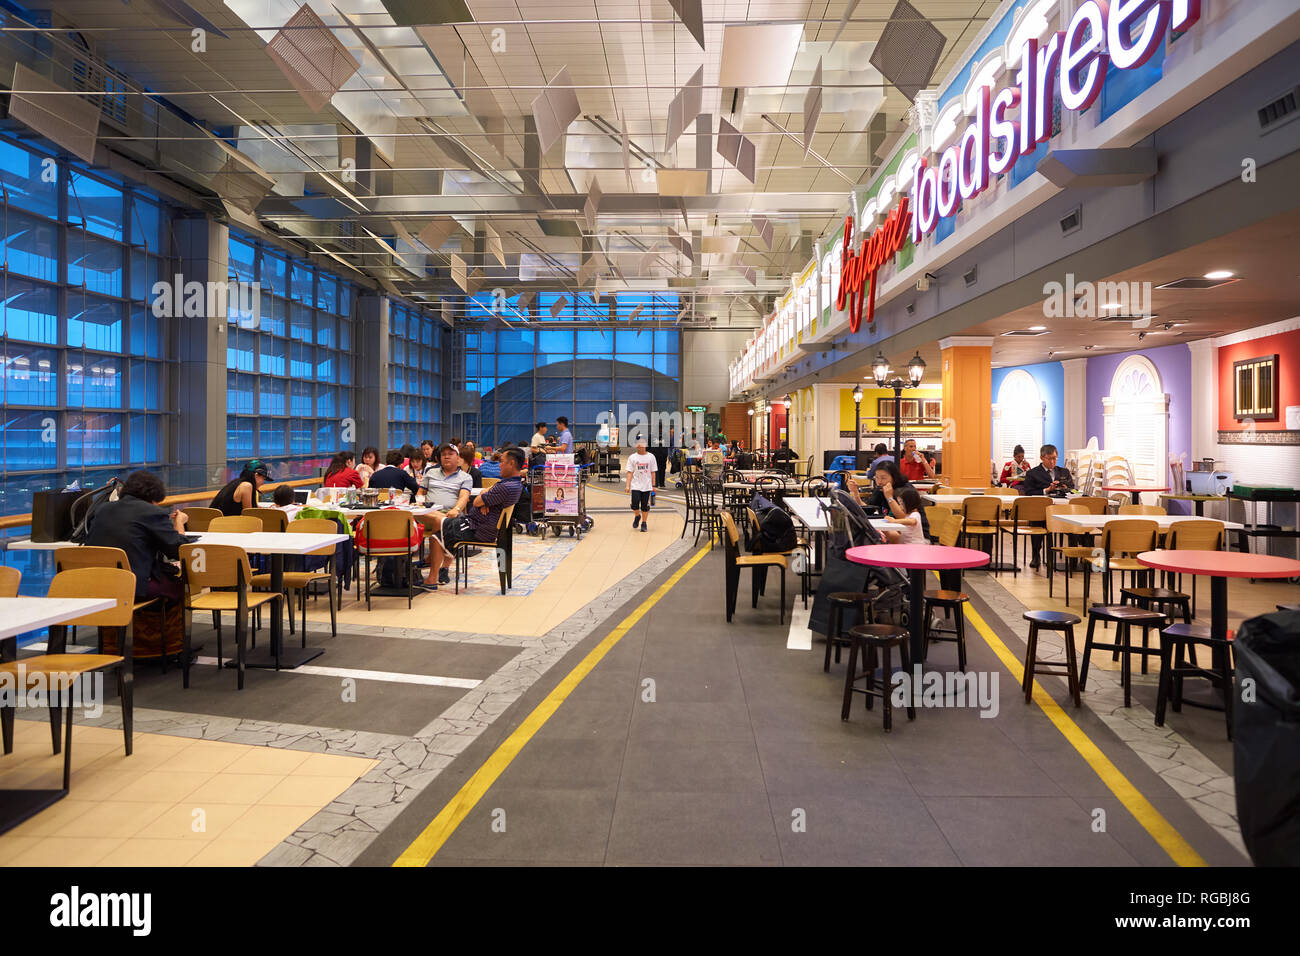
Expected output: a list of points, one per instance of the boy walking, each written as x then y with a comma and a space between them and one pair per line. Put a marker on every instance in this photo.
641, 469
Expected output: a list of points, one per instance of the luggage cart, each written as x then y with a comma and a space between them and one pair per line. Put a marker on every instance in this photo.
540, 520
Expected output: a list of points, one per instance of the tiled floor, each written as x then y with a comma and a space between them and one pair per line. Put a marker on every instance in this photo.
175, 801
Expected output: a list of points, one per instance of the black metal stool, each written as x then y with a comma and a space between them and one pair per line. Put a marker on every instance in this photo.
842, 601
1125, 616
950, 600
1051, 621
1173, 669
1160, 599
872, 638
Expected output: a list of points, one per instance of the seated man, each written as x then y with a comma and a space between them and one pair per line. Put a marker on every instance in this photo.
393, 475
915, 466
446, 489
1045, 479
147, 533
479, 523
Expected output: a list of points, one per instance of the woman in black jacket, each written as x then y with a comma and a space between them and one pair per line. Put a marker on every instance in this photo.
147, 533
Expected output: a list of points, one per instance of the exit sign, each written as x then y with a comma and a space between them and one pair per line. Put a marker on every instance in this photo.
697, 408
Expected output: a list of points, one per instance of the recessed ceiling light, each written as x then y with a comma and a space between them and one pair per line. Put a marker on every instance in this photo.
1108, 306
1219, 274
1038, 328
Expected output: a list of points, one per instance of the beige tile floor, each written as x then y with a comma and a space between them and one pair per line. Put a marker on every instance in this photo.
607, 554
175, 801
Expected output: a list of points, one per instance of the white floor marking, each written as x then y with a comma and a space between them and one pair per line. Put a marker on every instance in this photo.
800, 638
391, 677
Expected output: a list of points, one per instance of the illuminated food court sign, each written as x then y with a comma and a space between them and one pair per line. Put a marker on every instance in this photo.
1120, 34
858, 270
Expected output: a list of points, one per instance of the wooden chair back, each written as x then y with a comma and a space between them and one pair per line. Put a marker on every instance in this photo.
1092, 504
215, 566
89, 556
1132, 509
979, 510
236, 524
1195, 535
114, 583
273, 519
1030, 510
489, 482
200, 518
387, 525
315, 526
1060, 527
1129, 537
10, 578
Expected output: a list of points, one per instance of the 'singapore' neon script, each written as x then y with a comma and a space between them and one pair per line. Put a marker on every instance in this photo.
858, 270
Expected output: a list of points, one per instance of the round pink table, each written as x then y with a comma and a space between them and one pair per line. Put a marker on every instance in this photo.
1219, 566
917, 559
1135, 492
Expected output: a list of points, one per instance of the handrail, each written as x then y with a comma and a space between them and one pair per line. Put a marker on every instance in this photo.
22, 521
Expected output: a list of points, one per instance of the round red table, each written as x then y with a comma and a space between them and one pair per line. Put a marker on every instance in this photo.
1219, 566
917, 559
1135, 492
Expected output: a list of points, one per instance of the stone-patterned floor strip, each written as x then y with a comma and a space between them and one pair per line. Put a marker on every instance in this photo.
1207, 789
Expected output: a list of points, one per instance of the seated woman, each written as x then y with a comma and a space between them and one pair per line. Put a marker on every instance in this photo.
147, 533
1014, 471
905, 509
369, 462
341, 474
241, 493
468, 464
416, 463
890, 481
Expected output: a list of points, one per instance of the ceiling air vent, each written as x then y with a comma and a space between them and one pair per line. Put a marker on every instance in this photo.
1126, 318
1072, 221
1198, 282
1026, 332
911, 308
971, 277
1281, 110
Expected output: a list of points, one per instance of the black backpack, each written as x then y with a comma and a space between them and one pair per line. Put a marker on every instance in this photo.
775, 532
84, 508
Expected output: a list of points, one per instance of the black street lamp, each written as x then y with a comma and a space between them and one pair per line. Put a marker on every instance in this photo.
915, 371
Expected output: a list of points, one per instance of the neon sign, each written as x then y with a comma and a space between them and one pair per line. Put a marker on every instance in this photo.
1101, 34
858, 269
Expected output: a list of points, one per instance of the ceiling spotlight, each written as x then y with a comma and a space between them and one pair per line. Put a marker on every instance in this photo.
1219, 274
1038, 328
1111, 306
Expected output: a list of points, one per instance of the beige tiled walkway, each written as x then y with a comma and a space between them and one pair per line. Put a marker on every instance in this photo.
176, 801
609, 552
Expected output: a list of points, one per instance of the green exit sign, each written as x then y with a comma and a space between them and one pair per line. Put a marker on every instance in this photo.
697, 408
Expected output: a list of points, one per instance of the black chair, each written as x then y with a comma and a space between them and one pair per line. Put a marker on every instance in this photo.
876, 642
1051, 621
1176, 639
840, 602
1125, 617
951, 602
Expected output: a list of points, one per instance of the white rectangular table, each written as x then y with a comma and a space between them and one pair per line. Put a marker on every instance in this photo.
18, 615
275, 543
954, 501
1097, 522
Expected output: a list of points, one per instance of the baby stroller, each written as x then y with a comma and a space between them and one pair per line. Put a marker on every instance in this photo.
886, 587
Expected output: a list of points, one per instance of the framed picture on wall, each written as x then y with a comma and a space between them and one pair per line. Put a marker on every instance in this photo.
911, 411
1254, 388
886, 411
932, 411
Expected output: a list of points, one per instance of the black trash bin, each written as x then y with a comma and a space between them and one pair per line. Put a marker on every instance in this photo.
1266, 737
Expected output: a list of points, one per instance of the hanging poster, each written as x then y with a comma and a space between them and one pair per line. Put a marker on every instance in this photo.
561, 480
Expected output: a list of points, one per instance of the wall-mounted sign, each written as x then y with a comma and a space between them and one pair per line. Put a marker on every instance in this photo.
1123, 34
698, 409
858, 269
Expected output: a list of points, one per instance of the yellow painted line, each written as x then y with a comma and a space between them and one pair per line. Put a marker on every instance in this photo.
431, 840
1161, 830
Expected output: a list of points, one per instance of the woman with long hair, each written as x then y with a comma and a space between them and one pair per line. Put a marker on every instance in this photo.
369, 462
341, 474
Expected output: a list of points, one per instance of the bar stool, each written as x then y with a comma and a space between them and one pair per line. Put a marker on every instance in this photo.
842, 601
1162, 598
1125, 616
873, 638
1173, 668
952, 601
1051, 621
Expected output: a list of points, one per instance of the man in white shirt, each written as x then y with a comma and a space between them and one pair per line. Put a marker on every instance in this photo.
641, 469
538, 442
446, 489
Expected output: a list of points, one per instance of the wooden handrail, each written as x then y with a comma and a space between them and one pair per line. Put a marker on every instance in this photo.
22, 521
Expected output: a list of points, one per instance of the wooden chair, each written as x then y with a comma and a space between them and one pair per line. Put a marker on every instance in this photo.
273, 519
10, 578
980, 515
1059, 535
1028, 520
236, 524
504, 552
1194, 534
937, 515
300, 582
489, 482
224, 569
61, 670
90, 556
804, 548
735, 561
388, 535
200, 518
1120, 540
1132, 509
1092, 505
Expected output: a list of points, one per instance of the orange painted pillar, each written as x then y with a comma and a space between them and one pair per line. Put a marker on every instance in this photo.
967, 366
